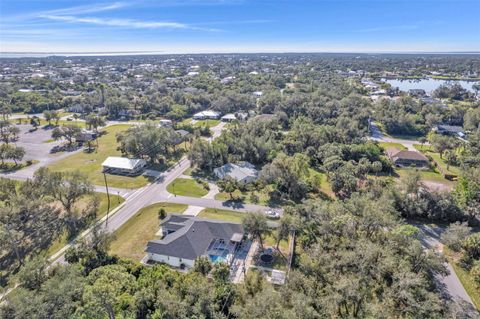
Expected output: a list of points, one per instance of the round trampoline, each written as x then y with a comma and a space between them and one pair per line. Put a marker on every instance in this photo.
266, 258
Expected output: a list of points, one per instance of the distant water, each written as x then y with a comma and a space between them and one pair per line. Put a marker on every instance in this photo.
426, 84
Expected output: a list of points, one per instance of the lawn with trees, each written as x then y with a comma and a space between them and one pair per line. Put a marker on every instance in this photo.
91, 163
187, 187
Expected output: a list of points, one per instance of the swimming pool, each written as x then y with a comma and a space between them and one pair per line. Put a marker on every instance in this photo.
219, 256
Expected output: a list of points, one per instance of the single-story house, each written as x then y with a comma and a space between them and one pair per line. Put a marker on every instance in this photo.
165, 123
181, 136
417, 92
184, 238
123, 165
229, 117
85, 136
243, 172
406, 158
449, 130
214, 115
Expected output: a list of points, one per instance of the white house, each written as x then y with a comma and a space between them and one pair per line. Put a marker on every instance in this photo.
209, 114
184, 238
229, 117
165, 123
243, 172
123, 165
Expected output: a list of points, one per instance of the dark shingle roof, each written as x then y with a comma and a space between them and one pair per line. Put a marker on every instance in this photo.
193, 239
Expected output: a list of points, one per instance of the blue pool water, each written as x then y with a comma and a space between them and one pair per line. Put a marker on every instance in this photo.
221, 256
217, 259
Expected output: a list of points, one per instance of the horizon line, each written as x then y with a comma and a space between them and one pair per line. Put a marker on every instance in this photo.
159, 52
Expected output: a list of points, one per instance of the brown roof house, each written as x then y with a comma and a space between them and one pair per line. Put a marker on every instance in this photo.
406, 158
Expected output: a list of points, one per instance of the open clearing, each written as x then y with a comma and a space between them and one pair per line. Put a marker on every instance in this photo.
91, 163
102, 211
186, 187
132, 237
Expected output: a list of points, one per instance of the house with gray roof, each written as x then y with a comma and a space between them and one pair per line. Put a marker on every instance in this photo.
242, 172
451, 130
184, 238
405, 158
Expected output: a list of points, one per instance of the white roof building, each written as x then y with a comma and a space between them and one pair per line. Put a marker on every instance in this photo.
116, 164
165, 123
209, 114
243, 172
229, 117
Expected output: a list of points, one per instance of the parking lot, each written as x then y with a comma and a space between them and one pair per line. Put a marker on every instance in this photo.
36, 149
34, 143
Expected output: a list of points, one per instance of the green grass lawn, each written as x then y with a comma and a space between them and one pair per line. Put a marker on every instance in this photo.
185, 121
91, 163
132, 237
386, 145
426, 175
323, 186
222, 214
452, 169
429, 150
11, 167
188, 171
269, 240
423, 148
63, 122
207, 123
186, 187
465, 278
263, 196
102, 211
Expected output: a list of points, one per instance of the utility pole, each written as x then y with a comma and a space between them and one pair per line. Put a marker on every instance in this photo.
108, 197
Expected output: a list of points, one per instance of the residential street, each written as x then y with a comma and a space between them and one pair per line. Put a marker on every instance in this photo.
450, 284
377, 135
157, 192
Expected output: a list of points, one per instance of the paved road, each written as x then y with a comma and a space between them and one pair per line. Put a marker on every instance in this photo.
377, 135
450, 284
157, 192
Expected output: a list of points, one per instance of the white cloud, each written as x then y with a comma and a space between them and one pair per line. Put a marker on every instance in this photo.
86, 9
129, 23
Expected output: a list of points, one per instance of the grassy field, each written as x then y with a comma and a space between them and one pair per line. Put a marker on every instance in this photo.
426, 175
429, 150
207, 123
423, 148
102, 211
269, 240
221, 214
11, 167
324, 185
386, 145
132, 237
185, 121
63, 122
466, 279
263, 196
186, 187
91, 163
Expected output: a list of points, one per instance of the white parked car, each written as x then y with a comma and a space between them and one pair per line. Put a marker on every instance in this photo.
272, 213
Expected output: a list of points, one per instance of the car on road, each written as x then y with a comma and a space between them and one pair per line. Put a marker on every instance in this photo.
272, 213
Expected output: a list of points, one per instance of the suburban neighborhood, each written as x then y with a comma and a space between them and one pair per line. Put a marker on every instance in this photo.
279, 184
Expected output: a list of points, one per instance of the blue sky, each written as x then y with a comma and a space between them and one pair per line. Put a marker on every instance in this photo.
177, 26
